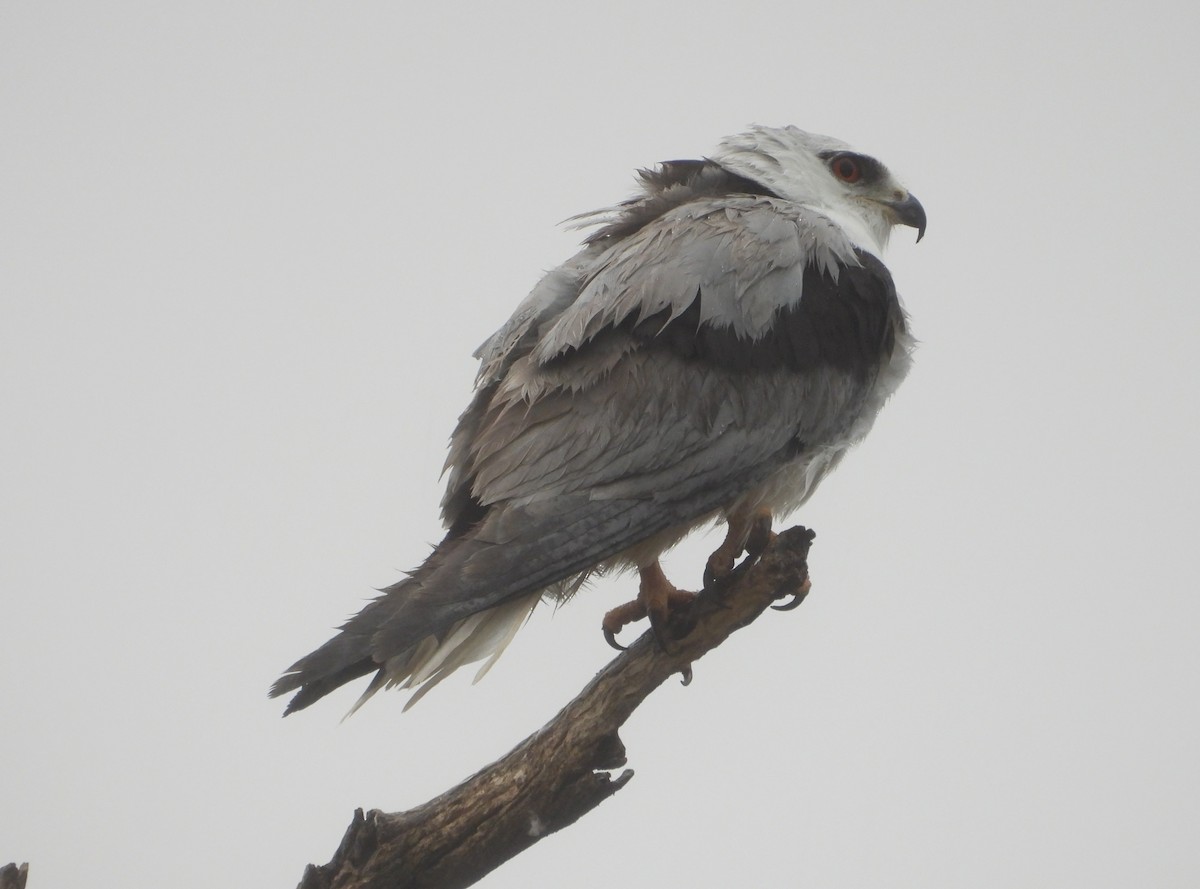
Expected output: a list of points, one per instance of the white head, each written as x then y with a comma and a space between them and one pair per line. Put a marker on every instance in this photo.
854, 190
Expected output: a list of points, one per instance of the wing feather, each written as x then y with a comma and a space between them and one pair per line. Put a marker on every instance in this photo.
731, 250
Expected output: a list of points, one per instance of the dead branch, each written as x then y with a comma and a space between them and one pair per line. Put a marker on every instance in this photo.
13, 877
561, 772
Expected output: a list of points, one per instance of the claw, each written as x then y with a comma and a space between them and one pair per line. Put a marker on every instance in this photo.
618, 618
611, 638
656, 599
718, 567
797, 597
686, 672
748, 533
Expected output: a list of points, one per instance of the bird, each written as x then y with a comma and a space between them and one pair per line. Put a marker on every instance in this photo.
712, 351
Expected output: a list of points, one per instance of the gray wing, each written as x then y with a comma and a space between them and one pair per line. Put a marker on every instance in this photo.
746, 255
723, 274
646, 385
690, 346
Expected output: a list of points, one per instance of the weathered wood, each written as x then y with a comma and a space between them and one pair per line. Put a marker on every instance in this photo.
13, 877
562, 771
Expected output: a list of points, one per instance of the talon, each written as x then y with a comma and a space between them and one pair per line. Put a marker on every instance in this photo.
750, 534
718, 567
797, 597
611, 638
618, 618
686, 672
656, 599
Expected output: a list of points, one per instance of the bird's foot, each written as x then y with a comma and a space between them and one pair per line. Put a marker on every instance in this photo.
750, 534
620, 617
657, 599
720, 563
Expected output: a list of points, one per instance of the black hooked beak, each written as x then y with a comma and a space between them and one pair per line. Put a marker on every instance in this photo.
909, 212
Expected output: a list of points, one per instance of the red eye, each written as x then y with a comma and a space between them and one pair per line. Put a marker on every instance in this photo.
846, 168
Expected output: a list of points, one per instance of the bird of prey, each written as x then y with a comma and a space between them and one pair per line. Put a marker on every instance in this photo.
713, 350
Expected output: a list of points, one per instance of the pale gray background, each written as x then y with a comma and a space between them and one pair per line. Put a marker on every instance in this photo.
247, 250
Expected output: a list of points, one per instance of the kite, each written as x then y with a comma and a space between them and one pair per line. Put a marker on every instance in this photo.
711, 353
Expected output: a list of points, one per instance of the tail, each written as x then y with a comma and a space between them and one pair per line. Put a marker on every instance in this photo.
347, 656
469, 598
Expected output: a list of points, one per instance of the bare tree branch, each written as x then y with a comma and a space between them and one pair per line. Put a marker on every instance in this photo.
13, 877
561, 772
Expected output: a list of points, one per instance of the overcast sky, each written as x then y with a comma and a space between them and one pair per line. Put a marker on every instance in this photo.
246, 251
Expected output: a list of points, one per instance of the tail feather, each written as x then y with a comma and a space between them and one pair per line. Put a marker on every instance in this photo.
312, 690
476, 589
483, 636
342, 659
490, 635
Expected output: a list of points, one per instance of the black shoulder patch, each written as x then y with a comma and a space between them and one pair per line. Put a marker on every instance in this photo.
849, 324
